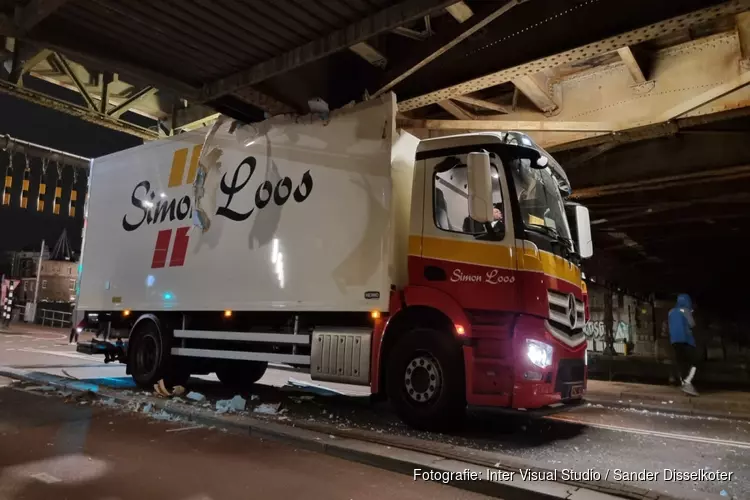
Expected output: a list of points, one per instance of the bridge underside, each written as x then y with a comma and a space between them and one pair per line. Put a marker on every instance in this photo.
643, 102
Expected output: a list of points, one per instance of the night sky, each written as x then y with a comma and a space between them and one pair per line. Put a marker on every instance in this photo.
24, 229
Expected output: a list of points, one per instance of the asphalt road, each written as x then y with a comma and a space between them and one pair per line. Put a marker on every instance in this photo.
592, 437
51, 449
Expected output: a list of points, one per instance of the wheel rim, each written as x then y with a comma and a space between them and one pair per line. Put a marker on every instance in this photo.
423, 378
146, 358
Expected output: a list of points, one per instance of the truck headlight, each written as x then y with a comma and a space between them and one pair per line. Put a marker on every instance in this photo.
586, 358
539, 353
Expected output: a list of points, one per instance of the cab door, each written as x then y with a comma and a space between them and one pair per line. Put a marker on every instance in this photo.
458, 256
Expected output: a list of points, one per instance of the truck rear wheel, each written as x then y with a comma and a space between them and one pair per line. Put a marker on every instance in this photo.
425, 380
241, 374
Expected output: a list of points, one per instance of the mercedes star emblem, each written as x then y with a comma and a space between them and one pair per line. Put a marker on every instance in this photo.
572, 313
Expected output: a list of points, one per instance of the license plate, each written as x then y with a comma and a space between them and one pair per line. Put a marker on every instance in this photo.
576, 391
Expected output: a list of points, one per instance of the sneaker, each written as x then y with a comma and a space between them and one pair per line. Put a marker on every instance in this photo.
689, 389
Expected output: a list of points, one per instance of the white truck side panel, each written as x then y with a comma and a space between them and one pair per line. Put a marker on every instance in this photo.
327, 248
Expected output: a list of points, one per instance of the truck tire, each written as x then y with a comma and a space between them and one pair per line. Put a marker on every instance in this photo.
149, 359
241, 374
425, 380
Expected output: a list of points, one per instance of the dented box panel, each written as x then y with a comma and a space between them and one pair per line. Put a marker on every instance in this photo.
298, 218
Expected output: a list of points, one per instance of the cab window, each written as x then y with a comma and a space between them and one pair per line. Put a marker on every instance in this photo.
451, 197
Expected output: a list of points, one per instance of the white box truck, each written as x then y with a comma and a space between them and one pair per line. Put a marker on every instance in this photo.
442, 273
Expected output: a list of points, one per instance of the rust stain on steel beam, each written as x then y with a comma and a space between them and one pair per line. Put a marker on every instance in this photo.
582, 53
76, 111
380, 22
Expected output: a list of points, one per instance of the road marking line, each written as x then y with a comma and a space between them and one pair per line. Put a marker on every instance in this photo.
643, 432
63, 354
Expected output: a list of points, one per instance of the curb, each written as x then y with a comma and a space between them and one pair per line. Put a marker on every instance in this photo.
404, 455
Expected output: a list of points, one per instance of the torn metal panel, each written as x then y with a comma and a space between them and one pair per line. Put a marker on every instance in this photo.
207, 178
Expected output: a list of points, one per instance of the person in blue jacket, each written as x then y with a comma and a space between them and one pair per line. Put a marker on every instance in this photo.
681, 325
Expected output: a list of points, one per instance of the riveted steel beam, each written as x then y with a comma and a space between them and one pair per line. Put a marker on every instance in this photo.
445, 48
456, 110
582, 53
481, 103
131, 101
77, 111
696, 82
65, 66
28, 65
381, 22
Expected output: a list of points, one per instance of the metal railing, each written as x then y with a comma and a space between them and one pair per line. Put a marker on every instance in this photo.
55, 318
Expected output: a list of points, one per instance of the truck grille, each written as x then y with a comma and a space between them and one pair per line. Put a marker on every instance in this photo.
566, 313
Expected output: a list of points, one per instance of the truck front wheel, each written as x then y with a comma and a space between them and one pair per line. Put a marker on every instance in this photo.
149, 359
425, 380
241, 374
145, 355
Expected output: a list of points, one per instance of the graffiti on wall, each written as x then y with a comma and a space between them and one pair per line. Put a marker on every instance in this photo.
595, 330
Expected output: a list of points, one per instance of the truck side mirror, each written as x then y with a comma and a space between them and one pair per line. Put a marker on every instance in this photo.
480, 187
583, 231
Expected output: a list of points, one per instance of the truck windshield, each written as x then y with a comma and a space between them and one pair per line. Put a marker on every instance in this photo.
539, 198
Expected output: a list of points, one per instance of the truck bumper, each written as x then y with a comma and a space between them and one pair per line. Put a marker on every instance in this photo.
544, 411
504, 377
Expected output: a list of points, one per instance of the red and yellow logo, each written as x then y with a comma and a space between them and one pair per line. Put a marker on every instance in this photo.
164, 240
